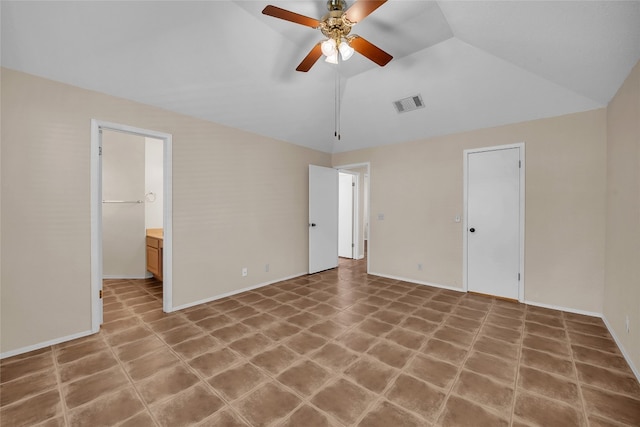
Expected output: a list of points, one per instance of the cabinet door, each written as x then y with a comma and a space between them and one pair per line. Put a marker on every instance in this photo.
153, 261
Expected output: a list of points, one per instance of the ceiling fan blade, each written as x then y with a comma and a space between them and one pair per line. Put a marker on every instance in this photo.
371, 51
362, 8
277, 12
310, 59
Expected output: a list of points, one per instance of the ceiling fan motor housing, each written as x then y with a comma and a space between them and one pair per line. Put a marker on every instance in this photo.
335, 25
336, 5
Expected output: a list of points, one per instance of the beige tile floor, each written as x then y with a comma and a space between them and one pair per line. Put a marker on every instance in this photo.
339, 348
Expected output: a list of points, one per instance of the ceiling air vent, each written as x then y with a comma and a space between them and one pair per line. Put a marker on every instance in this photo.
409, 104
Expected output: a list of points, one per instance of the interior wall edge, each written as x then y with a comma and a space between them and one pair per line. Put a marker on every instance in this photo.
417, 282
236, 292
44, 344
624, 352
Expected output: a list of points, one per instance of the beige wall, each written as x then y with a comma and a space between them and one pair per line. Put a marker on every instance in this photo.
418, 186
239, 200
622, 278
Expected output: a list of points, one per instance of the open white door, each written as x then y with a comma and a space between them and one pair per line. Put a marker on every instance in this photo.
494, 226
323, 218
346, 241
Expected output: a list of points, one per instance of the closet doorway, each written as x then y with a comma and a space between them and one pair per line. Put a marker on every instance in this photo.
130, 194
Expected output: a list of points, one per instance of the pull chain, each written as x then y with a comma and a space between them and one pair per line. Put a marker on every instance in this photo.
337, 99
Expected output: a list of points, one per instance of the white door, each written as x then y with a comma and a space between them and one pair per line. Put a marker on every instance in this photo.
323, 218
345, 219
493, 222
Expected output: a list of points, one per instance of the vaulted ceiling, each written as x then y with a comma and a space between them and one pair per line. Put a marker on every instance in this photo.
476, 64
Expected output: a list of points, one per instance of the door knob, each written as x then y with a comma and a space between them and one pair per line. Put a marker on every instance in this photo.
472, 229
313, 224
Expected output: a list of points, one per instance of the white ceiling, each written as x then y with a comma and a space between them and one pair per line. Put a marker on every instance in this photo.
476, 64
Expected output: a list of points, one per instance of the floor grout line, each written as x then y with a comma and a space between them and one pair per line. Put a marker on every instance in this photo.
65, 410
518, 364
124, 370
585, 415
347, 288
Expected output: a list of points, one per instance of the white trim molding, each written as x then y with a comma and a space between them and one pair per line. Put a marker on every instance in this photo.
96, 215
44, 344
560, 308
626, 355
237, 291
418, 282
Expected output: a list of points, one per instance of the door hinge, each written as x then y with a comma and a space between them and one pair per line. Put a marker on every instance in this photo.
353, 245
99, 151
353, 184
519, 164
100, 293
518, 277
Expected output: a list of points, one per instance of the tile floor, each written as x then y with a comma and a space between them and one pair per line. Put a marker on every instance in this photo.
339, 348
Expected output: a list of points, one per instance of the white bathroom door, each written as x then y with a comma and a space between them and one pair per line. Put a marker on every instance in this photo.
346, 242
323, 218
493, 222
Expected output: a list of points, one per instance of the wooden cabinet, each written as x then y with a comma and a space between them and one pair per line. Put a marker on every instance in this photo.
154, 256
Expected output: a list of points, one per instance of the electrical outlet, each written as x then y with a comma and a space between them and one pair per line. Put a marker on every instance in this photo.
420, 267
245, 271
266, 268
627, 323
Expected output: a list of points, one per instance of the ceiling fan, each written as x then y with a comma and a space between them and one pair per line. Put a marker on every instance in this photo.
336, 26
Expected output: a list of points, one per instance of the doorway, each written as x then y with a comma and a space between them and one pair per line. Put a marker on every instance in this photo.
347, 214
131, 183
362, 241
494, 221
324, 213
133, 205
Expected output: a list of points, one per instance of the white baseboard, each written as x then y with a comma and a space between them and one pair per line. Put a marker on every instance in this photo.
115, 276
86, 333
560, 308
635, 370
418, 282
38, 346
626, 356
235, 292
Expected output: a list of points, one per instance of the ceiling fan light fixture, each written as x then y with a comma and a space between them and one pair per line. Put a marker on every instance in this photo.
346, 51
329, 47
332, 59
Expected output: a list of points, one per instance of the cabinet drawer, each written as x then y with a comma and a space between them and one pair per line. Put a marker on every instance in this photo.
153, 242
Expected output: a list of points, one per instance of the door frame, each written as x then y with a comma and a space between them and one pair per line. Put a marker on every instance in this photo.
355, 211
345, 168
465, 225
96, 215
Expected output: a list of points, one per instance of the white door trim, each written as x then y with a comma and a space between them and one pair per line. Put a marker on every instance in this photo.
465, 225
345, 168
96, 215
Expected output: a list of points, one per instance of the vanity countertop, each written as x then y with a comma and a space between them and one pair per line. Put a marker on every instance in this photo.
155, 233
